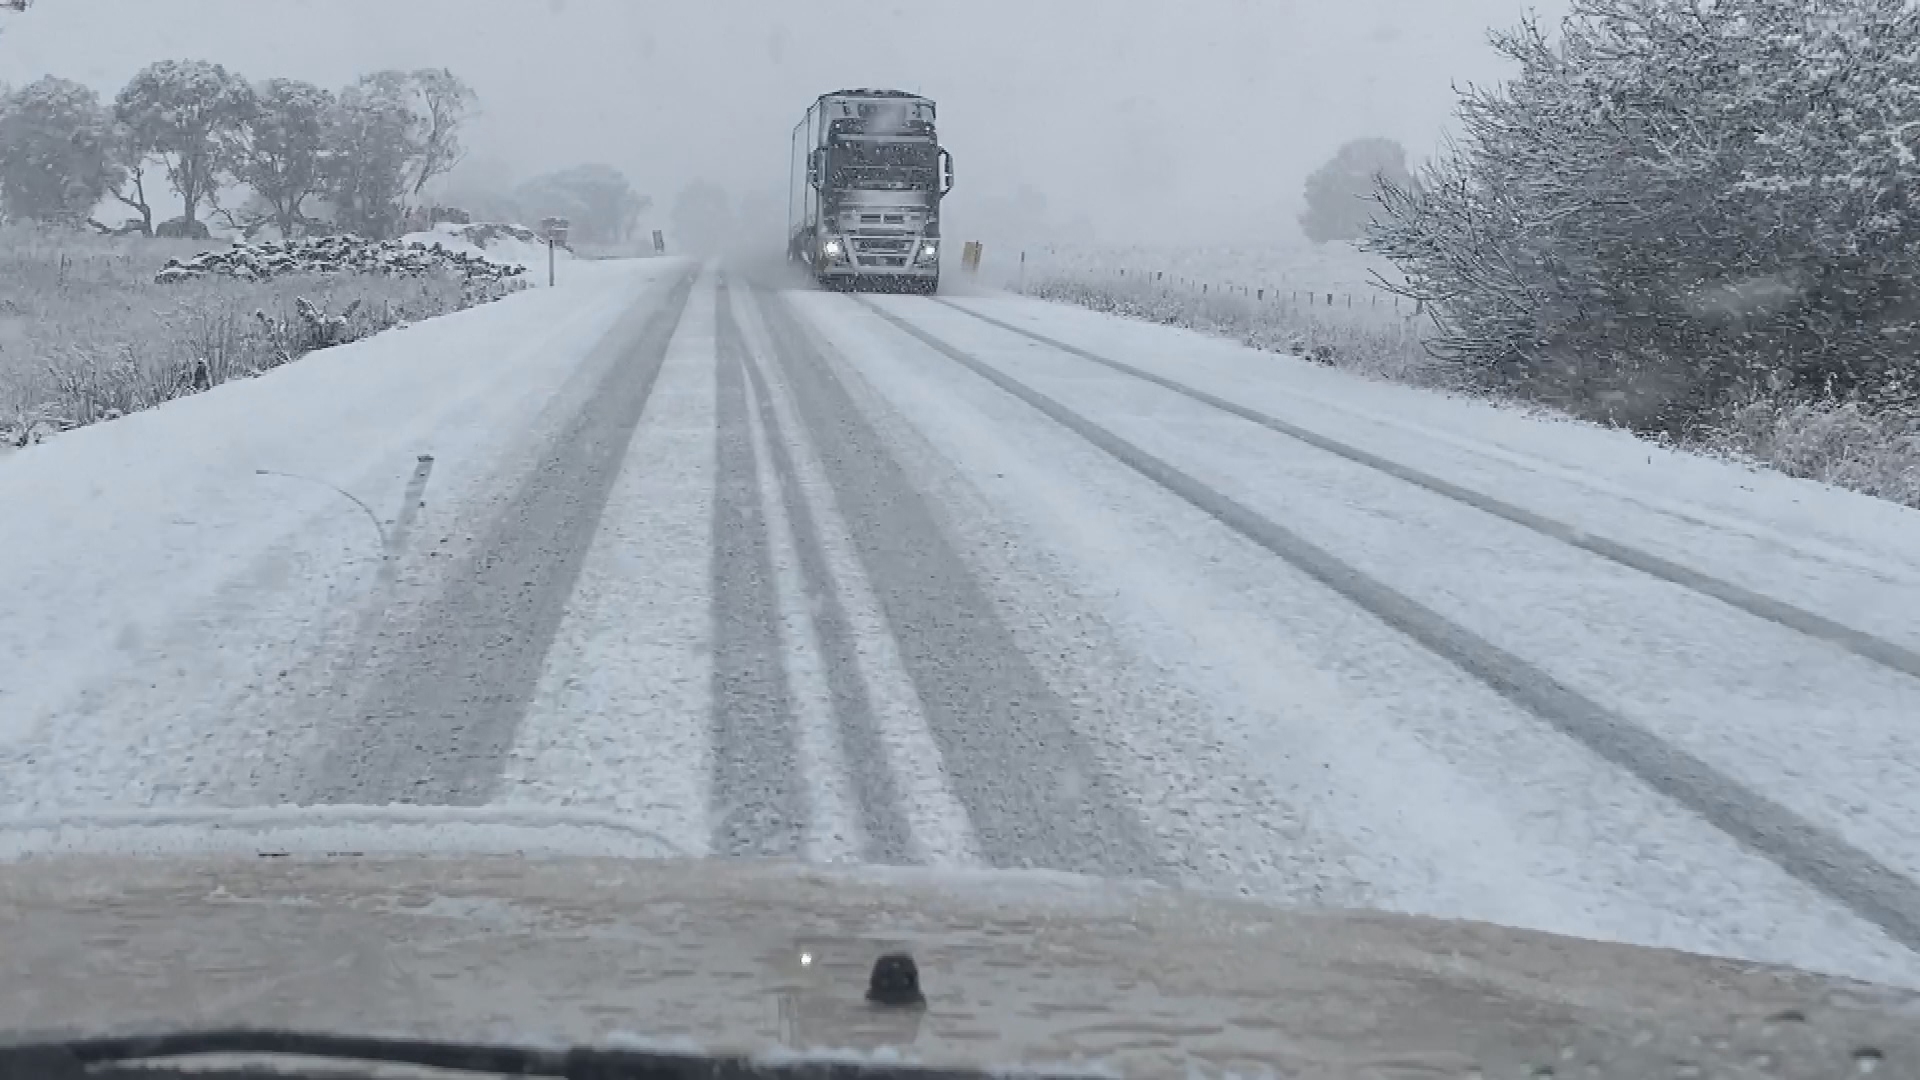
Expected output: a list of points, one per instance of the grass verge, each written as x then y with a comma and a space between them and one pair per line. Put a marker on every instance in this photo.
86, 335
1839, 443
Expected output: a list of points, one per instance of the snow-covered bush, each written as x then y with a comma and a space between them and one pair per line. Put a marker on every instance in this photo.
1872, 451
1677, 206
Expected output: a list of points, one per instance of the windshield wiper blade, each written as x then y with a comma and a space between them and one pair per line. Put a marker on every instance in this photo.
146, 1056
96, 1057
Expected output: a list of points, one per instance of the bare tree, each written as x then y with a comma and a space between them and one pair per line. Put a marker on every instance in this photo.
131, 191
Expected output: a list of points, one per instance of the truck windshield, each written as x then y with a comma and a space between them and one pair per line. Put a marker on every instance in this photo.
885, 165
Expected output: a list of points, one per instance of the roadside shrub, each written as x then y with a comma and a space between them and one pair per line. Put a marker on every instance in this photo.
1677, 207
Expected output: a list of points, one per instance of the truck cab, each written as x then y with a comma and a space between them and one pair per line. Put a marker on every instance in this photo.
868, 174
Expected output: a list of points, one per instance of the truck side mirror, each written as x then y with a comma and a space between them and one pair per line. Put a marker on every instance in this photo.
813, 168
946, 167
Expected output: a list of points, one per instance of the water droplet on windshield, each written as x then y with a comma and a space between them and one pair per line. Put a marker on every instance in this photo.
1866, 1060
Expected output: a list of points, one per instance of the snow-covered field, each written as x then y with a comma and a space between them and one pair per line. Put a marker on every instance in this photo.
1324, 281
762, 570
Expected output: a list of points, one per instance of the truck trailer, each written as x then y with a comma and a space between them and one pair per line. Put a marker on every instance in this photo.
867, 175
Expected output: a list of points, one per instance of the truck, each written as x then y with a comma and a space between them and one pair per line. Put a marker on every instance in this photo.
866, 177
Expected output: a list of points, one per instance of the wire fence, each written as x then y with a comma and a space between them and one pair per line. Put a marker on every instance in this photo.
1310, 283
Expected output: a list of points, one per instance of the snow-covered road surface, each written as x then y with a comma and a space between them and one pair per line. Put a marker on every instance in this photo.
980, 580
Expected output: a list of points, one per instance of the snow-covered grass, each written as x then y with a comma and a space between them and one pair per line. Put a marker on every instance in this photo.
1328, 282
1876, 453
87, 335
1841, 444
1388, 349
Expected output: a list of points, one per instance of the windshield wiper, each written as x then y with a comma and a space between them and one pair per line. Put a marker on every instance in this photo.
149, 1058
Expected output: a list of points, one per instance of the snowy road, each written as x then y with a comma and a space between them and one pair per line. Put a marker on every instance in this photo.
978, 580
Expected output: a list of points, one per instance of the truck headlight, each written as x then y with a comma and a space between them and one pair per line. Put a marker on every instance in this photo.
831, 249
929, 250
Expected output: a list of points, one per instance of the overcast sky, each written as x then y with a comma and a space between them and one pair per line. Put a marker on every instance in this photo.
1155, 119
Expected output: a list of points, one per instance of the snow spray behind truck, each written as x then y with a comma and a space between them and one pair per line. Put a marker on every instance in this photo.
866, 178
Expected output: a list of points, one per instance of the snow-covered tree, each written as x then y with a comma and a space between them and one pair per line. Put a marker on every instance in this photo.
1680, 203
57, 151
438, 105
184, 113
1340, 193
442, 105
368, 150
279, 150
599, 200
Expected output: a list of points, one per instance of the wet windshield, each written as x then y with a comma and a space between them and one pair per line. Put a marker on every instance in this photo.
886, 165
1455, 459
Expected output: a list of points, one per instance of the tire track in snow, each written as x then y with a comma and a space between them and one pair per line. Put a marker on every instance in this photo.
907, 812
1031, 786
437, 720
619, 724
814, 603
758, 801
1814, 855
833, 821
1880, 651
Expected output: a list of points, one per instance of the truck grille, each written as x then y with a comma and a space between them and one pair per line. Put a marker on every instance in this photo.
882, 245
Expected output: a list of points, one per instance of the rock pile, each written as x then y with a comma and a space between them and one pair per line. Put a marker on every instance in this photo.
341, 254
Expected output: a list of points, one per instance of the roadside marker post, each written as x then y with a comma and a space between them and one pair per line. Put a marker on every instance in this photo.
556, 229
